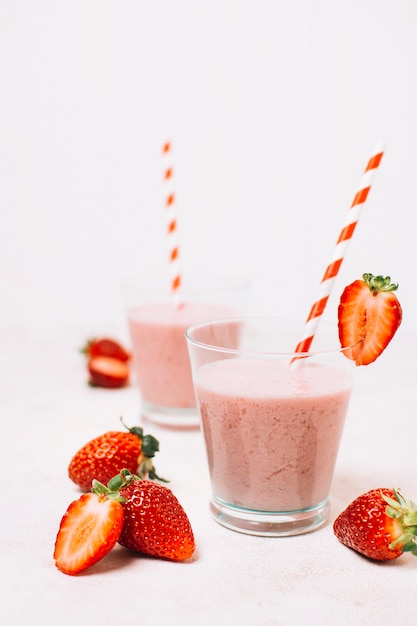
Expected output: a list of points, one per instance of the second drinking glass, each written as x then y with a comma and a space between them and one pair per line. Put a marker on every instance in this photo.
157, 328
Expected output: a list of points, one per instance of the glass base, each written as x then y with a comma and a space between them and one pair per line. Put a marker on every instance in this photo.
270, 524
176, 418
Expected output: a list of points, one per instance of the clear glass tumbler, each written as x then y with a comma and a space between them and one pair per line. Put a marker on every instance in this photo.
272, 421
157, 330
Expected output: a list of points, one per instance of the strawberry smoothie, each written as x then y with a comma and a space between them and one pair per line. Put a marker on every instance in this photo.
272, 431
157, 332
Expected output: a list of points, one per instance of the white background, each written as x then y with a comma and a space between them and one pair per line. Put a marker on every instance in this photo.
273, 109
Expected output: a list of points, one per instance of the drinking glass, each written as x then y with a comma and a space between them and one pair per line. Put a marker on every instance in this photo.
157, 330
272, 420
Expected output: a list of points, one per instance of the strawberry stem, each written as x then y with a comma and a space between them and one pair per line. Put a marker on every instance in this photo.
404, 511
379, 283
122, 479
84, 349
146, 468
111, 492
150, 445
135, 430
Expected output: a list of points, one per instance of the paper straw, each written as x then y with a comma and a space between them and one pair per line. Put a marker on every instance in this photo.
172, 225
339, 252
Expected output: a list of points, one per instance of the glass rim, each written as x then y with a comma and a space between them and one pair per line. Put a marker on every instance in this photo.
159, 283
262, 353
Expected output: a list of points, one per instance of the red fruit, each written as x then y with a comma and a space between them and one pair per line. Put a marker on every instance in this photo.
155, 522
381, 524
105, 347
88, 531
106, 371
369, 316
106, 455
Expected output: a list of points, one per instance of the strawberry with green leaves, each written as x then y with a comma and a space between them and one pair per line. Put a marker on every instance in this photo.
380, 524
369, 316
155, 522
107, 347
106, 455
139, 514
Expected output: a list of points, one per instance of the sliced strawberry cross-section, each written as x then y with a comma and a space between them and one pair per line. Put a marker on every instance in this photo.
106, 371
89, 529
369, 315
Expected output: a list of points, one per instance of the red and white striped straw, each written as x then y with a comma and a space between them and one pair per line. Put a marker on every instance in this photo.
339, 252
172, 225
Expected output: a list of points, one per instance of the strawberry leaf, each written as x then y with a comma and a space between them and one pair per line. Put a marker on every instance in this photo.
150, 445
379, 283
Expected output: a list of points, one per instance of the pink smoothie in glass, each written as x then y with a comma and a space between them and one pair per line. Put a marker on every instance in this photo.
160, 349
272, 431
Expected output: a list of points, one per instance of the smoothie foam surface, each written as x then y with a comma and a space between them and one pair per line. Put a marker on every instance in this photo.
270, 378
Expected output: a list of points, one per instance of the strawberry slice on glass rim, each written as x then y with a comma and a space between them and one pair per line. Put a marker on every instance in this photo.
369, 315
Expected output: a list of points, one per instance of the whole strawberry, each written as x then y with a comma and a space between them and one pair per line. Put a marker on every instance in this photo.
107, 347
106, 455
381, 524
154, 521
369, 315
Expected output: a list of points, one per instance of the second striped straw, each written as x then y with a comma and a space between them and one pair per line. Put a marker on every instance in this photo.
339, 252
172, 225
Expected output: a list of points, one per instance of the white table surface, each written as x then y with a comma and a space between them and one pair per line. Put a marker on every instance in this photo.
48, 412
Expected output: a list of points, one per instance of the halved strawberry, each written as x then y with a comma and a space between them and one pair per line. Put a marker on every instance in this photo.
381, 524
143, 516
89, 529
105, 346
106, 371
369, 315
